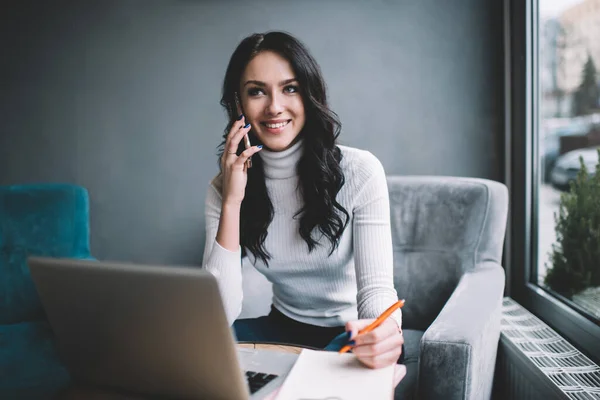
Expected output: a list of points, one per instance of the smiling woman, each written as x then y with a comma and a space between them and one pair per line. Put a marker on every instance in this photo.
311, 215
271, 101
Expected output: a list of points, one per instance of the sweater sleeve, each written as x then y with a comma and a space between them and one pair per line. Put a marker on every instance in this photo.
372, 240
224, 264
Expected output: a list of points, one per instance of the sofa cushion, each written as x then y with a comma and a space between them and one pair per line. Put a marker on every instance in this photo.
41, 220
442, 227
29, 365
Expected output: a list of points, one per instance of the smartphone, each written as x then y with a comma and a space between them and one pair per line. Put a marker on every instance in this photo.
246, 138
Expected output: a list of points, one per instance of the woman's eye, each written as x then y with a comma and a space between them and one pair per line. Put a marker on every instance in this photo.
258, 91
254, 91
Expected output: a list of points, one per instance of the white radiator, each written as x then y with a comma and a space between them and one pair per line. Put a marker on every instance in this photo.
534, 362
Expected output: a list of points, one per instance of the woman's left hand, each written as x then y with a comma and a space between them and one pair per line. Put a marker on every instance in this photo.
380, 347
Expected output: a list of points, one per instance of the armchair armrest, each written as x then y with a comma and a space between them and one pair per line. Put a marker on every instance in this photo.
458, 351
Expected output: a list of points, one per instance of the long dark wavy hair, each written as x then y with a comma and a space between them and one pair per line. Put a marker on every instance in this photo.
319, 171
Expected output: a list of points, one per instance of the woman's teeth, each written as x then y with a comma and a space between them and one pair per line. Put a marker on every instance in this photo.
275, 126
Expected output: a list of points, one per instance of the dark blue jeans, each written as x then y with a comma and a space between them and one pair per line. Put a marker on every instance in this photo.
278, 328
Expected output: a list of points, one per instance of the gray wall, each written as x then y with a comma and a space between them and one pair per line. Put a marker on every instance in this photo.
122, 98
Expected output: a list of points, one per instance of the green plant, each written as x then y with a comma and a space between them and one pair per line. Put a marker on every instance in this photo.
575, 257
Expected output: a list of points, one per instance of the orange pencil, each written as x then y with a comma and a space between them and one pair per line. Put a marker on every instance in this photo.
377, 322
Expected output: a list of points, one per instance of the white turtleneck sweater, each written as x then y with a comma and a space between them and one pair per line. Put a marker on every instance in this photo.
356, 281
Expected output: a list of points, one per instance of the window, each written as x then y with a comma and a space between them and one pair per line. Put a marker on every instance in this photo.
552, 99
568, 128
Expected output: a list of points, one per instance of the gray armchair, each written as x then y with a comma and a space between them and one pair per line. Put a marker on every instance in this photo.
448, 236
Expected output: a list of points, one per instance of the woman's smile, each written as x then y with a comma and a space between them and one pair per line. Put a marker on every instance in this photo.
276, 126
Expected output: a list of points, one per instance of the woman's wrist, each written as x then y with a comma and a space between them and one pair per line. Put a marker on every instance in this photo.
228, 234
231, 207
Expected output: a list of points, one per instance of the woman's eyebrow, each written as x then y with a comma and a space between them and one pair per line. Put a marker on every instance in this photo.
259, 83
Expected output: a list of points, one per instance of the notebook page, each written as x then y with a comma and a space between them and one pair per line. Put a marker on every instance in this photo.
334, 376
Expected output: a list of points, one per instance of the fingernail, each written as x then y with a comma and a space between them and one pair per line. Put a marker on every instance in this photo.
247, 125
240, 117
352, 343
259, 146
349, 334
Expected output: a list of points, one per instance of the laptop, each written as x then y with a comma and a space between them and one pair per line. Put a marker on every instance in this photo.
150, 330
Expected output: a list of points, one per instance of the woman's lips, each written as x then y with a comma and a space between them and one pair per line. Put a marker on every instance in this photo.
275, 126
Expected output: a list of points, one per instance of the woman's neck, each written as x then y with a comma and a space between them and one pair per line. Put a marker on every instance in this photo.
281, 164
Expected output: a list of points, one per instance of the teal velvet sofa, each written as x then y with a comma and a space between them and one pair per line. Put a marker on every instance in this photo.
43, 220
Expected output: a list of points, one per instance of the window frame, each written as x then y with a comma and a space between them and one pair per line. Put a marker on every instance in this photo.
522, 178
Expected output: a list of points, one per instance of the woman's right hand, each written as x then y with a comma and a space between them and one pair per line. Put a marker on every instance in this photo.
233, 167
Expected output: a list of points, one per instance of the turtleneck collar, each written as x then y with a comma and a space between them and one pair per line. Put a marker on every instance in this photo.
281, 164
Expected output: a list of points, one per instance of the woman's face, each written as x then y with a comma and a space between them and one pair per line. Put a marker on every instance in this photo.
271, 100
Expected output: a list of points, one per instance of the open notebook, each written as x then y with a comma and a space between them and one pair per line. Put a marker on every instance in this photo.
333, 376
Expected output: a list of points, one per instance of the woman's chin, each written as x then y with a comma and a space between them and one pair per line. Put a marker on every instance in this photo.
278, 145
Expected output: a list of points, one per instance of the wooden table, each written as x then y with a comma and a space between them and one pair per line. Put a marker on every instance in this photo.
80, 392
286, 348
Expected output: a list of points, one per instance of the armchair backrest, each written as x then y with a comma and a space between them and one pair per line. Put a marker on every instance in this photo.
42, 220
442, 227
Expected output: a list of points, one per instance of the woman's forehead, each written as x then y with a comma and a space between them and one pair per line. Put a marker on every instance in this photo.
268, 67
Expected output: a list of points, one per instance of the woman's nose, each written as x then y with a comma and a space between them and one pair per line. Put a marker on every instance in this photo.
275, 105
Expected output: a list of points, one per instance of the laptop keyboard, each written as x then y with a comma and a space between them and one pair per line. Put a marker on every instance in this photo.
257, 380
